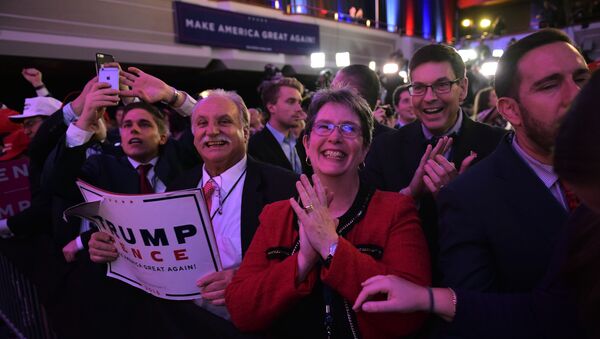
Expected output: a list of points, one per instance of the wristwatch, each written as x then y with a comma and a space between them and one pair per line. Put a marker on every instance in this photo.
174, 97
329, 257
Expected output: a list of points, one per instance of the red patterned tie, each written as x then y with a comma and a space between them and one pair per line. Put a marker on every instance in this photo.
209, 189
572, 200
145, 186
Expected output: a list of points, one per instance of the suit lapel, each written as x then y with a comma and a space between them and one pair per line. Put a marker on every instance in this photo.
275, 149
415, 144
130, 182
463, 142
252, 202
528, 195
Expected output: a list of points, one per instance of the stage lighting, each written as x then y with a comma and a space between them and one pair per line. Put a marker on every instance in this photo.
373, 65
317, 60
466, 23
497, 53
485, 23
342, 59
467, 54
390, 68
488, 68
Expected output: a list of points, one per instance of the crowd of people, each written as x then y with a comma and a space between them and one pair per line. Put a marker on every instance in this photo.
338, 219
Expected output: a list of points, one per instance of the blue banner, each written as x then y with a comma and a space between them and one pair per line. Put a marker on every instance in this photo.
199, 25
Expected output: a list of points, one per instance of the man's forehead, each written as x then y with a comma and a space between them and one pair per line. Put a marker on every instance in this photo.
554, 58
215, 105
137, 114
432, 71
288, 91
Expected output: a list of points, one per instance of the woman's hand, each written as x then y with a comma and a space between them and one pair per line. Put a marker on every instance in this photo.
318, 224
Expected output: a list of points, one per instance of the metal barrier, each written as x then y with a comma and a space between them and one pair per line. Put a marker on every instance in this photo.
19, 304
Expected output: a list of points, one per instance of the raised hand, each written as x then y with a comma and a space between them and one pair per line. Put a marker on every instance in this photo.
145, 86
33, 76
99, 97
77, 104
416, 188
319, 225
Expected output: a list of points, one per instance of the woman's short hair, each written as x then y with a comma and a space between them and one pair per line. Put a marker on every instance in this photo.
346, 97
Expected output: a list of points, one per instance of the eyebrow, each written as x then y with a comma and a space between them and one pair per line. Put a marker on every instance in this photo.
558, 76
436, 80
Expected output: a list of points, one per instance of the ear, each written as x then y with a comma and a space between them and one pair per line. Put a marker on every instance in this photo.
271, 108
246, 134
305, 141
510, 110
463, 84
163, 139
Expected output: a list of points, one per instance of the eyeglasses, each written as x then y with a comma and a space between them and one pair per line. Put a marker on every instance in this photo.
441, 87
347, 130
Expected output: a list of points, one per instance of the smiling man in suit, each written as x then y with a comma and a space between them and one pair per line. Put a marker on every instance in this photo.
276, 144
438, 86
236, 188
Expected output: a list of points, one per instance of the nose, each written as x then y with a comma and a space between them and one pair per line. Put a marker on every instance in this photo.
212, 128
429, 94
570, 91
335, 135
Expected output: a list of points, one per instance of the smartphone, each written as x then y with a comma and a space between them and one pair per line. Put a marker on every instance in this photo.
101, 59
109, 75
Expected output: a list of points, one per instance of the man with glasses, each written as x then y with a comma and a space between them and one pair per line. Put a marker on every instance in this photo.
396, 161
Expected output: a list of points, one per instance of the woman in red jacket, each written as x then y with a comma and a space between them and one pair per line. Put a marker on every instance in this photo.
307, 260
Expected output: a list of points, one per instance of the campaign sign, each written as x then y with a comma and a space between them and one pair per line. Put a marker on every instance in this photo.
199, 25
165, 241
14, 187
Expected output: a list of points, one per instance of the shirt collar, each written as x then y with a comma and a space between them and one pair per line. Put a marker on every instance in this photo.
280, 136
227, 179
455, 129
544, 172
135, 164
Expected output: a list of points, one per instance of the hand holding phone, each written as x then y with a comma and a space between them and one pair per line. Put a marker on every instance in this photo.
109, 75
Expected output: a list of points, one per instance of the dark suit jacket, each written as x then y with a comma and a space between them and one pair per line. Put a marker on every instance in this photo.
499, 230
264, 184
394, 158
264, 147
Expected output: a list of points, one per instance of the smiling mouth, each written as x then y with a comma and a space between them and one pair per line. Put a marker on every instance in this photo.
210, 144
135, 141
433, 110
336, 155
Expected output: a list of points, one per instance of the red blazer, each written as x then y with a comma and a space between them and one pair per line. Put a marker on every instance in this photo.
264, 289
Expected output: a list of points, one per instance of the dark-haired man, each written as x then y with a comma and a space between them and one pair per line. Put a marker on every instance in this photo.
438, 85
277, 144
365, 81
403, 106
500, 222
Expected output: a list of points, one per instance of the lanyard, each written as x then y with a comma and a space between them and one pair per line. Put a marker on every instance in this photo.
222, 202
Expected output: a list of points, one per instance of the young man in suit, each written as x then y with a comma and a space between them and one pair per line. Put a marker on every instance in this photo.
276, 144
236, 188
500, 222
396, 161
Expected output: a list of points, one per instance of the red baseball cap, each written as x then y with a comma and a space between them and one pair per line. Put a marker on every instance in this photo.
15, 144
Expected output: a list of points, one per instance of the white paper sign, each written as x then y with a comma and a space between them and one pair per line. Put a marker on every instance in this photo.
165, 241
